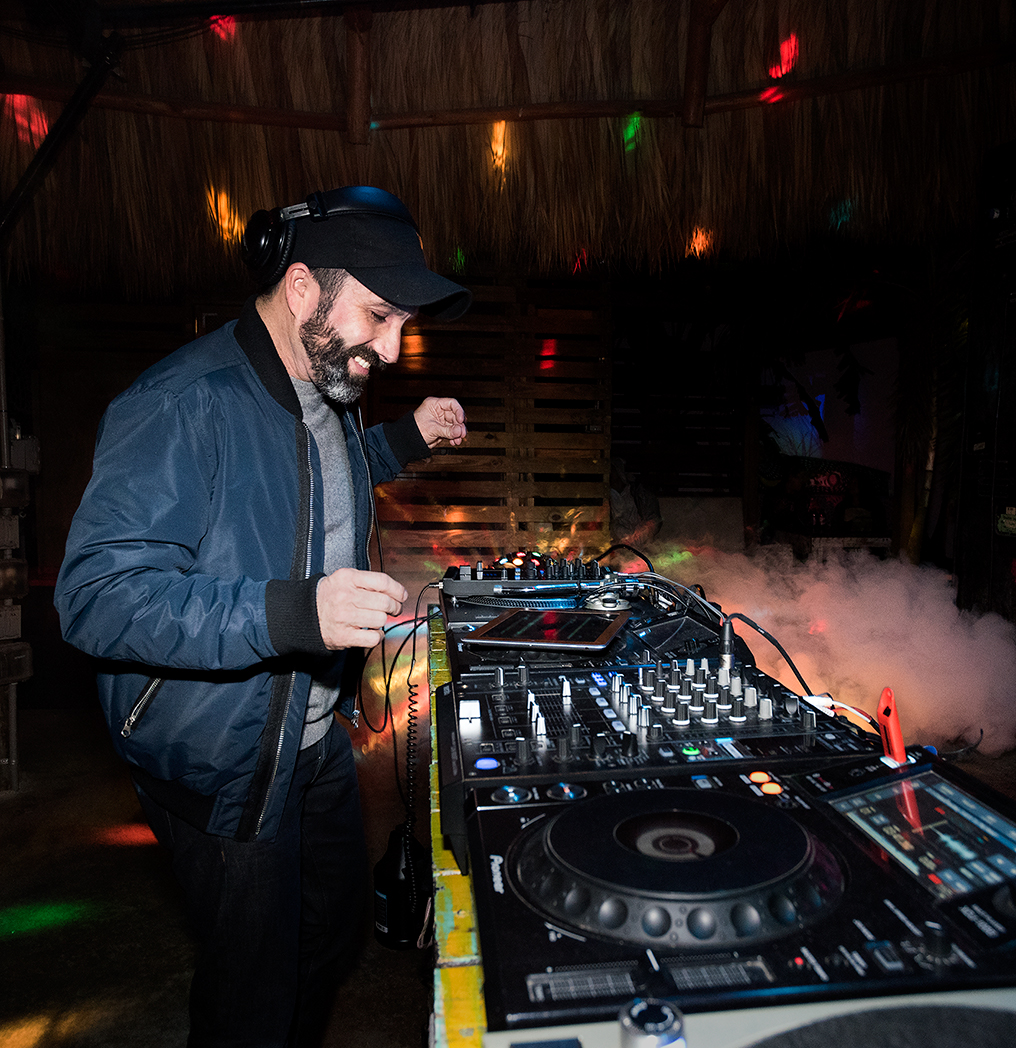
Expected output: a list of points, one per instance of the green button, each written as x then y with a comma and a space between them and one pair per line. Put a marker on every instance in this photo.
690, 750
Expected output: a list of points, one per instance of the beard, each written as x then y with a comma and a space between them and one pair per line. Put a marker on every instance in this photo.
329, 357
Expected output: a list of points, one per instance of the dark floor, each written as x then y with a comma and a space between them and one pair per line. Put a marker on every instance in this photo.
93, 946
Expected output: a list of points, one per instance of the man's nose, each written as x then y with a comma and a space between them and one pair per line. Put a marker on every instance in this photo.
388, 345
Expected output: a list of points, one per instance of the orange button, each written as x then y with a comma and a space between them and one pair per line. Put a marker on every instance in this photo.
759, 776
772, 788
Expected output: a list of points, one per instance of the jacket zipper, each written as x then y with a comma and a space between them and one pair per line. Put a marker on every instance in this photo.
371, 519
292, 676
144, 699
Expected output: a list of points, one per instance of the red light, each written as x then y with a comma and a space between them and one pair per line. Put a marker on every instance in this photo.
130, 834
788, 57
29, 119
771, 94
223, 26
934, 878
581, 261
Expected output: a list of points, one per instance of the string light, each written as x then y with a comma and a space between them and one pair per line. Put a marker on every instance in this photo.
224, 215
223, 26
789, 51
30, 121
632, 132
498, 144
700, 243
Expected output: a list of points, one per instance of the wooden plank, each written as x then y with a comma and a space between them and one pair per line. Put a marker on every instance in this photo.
484, 440
459, 1015
458, 517
390, 512
562, 416
441, 490
546, 368
485, 545
593, 532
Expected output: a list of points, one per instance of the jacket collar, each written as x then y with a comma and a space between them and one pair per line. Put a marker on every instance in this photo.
252, 335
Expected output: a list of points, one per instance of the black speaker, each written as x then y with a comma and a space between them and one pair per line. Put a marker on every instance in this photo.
267, 243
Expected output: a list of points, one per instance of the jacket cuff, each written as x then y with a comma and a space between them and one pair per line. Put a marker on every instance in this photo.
291, 614
405, 439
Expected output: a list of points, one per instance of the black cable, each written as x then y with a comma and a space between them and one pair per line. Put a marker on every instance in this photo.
965, 751
411, 733
776, 644
631, 549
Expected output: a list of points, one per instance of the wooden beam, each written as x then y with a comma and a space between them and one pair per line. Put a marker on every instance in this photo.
943, 65
213, 112
358, 21
696, 68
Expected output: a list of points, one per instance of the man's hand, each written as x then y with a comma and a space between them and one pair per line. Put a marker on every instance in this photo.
441, 418
353, 607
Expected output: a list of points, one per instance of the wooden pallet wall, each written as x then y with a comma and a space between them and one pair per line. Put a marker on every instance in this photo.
531, 367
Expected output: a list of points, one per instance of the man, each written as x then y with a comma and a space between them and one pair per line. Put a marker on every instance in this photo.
218, 566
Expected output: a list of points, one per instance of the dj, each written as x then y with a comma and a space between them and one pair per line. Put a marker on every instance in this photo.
218, 566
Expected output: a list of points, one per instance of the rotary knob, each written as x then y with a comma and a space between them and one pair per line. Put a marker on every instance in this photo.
649, 1022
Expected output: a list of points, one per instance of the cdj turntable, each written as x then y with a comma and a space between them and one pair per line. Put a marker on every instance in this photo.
647, 817
736, 888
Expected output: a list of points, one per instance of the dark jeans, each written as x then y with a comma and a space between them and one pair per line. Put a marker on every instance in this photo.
276, 921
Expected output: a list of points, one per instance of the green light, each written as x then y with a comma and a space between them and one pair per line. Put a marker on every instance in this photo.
840, 214
672, 558
19, 920
458, 261
632, 130
690, 751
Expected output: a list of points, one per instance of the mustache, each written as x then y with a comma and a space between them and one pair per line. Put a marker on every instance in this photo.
367, 354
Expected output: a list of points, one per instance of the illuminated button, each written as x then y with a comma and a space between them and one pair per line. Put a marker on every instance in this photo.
690, 751
771, 788
487, 764
510, 795
565, 791
759, 776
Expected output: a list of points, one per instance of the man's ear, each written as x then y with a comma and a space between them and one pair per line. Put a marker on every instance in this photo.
302, 291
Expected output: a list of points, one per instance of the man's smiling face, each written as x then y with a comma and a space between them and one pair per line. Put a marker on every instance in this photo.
351, 333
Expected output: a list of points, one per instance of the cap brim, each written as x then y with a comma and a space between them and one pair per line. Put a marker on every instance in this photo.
416, 288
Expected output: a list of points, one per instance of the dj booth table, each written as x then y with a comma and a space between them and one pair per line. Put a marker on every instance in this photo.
459, 1017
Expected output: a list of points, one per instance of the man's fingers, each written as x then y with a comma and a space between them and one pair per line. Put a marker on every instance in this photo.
354, 606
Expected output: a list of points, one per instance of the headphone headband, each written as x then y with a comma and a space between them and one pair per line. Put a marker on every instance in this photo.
267, 243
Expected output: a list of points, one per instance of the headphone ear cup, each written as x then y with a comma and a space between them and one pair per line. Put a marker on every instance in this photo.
266, 245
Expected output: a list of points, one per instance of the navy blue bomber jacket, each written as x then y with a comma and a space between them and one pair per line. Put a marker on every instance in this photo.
191, 569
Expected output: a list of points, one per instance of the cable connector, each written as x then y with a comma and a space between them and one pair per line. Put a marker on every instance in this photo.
727, 644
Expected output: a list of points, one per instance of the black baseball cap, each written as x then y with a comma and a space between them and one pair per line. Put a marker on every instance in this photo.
370, 234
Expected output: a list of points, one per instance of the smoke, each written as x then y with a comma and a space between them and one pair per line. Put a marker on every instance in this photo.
858, 624
852, 626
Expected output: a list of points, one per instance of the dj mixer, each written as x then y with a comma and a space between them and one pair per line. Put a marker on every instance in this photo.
647, 816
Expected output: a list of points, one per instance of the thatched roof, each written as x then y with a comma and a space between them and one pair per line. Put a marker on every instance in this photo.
876, 131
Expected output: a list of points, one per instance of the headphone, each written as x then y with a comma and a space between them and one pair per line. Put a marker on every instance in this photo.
267, 243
